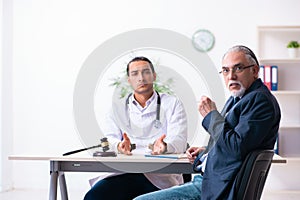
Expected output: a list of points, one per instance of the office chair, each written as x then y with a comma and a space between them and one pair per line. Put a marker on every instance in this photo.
251, 178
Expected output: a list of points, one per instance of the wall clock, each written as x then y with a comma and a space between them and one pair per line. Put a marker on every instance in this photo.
203, 40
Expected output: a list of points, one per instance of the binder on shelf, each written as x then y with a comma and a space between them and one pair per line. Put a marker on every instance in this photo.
268, 76
276, 146
261, 74
274, 76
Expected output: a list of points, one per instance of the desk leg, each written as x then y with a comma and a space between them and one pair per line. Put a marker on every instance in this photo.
53, 185
63, 186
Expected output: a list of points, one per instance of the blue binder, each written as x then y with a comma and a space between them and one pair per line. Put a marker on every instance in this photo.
274, 81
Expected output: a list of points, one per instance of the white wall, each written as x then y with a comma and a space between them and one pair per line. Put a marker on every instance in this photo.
6, 90
51, 39
1, 154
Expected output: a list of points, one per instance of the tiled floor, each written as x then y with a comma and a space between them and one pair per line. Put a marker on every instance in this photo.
78, 195
41, 194
281, 195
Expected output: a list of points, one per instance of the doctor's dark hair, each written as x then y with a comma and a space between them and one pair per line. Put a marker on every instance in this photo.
140, 58
247, 51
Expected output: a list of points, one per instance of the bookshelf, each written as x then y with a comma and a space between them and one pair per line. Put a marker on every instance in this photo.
272, 41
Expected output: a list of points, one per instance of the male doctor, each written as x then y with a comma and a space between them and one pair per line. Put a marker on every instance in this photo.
145, 117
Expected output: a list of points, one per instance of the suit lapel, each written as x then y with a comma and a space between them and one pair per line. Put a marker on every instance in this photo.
227, 106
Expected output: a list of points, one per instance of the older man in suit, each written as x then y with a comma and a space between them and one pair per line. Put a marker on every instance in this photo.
249, 120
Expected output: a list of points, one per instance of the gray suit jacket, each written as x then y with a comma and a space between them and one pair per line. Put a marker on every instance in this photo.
250, 124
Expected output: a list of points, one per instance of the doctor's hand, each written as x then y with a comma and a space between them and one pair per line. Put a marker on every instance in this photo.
159, 146
125, 146
193, 152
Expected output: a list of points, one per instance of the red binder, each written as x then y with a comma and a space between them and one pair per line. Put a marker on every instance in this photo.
268, 76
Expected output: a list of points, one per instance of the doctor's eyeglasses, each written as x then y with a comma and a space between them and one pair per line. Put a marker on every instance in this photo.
236, 69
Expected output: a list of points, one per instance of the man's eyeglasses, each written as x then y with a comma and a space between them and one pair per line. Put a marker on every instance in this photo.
235, 69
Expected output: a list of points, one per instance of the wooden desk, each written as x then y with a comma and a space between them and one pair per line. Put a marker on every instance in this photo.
121, 163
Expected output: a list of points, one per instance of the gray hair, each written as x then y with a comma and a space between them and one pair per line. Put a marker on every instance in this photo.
250, 56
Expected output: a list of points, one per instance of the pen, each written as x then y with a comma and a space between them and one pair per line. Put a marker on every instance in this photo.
162, 156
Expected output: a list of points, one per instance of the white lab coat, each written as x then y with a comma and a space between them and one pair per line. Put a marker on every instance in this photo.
138, 123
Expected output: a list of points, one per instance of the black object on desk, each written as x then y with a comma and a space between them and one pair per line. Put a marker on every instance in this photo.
104, 154
104, 144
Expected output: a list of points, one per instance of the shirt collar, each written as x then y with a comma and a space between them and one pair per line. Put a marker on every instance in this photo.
148, 102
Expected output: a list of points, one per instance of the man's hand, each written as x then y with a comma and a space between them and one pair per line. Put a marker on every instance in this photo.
193, 152
125, 146
159, 146
206, 105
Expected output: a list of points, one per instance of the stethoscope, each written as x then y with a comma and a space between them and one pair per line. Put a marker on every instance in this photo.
157, 123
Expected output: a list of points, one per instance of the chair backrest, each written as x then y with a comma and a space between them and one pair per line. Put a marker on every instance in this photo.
252, 176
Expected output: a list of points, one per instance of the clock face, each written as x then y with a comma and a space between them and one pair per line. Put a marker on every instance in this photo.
203, 40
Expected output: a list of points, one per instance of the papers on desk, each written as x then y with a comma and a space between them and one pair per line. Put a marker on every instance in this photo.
170, 156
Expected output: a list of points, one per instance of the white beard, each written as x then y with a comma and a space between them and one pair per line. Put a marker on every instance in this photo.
240, 92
